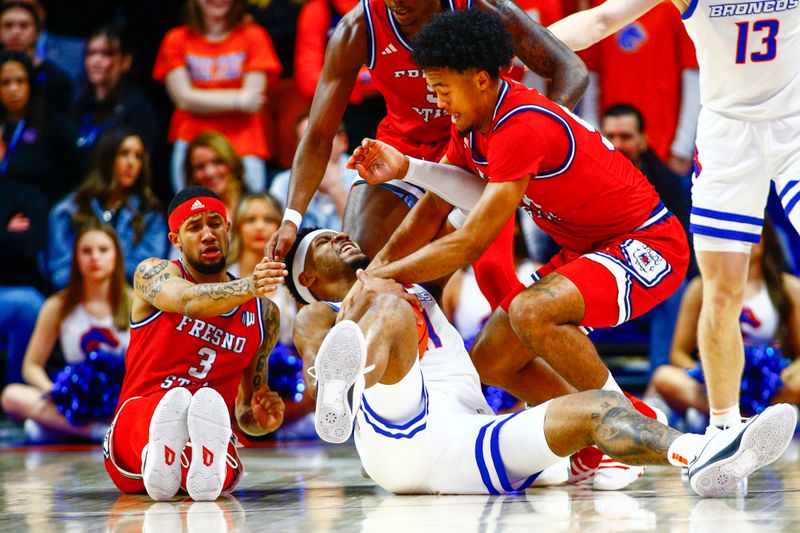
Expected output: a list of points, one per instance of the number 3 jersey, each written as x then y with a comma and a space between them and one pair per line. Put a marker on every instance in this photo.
749, 56
169, 350
582, 192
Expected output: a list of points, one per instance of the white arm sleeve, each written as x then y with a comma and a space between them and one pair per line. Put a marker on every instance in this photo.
458, 187
683, 144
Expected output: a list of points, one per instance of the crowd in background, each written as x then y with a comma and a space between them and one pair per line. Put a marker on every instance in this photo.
107, 108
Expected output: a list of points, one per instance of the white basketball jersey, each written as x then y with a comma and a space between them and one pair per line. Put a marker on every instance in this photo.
749, 56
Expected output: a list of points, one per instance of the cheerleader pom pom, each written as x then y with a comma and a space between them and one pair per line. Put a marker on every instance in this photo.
88, 391
286, 372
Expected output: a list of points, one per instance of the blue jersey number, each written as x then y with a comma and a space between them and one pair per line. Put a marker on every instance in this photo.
771, 26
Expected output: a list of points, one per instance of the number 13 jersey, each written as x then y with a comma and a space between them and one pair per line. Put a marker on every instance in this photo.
169, 350
749, 56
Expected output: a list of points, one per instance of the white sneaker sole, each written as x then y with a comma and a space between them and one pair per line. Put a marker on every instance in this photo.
161, 471
762, 442
209, 432
339, 365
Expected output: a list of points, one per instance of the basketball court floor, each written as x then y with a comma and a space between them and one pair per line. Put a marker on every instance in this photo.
320, 488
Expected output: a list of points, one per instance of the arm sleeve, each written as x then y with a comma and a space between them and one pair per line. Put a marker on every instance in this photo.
171, 53
683, 144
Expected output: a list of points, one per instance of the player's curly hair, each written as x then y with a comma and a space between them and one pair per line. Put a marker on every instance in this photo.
463, 40
289, 260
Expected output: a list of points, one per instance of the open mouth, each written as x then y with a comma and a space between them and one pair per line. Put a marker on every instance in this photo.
211, 253
347, 247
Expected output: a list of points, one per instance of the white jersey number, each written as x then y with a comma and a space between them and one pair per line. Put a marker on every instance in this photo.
208, 357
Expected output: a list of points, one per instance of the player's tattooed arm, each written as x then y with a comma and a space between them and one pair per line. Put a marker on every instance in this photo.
258, 409
159, 283
542, 53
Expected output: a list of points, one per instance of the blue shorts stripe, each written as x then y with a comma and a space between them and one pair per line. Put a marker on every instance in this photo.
730, 217
497, 458
380, 431
724, 233
481, 461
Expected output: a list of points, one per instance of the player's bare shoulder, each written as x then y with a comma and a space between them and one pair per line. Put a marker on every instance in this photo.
348, 44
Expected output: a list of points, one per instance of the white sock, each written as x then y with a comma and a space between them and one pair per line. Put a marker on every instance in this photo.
685, 448
611, 384
726, 417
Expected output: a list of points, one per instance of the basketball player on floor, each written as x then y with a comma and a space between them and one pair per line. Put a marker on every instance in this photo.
422, 423
200, 340
748, 134
622, 251
376, 33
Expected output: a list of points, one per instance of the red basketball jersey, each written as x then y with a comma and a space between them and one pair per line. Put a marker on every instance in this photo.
413, 124
582, 191
171, 350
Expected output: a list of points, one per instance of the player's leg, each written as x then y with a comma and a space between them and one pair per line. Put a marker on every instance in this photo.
372, 214
716, 461
377, 351
502, 360
728, 198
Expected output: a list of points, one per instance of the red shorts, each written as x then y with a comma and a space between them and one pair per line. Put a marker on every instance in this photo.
127, 437
626, 277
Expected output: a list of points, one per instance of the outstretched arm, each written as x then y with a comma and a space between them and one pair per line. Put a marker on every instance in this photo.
346, 52
542, 52
258, 409
584, 28
159, 284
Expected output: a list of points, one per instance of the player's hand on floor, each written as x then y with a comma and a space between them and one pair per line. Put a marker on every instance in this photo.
267, 276
268, 408
377, 162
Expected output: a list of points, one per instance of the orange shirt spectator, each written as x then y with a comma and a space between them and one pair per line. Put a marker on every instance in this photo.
218, 98
643, 65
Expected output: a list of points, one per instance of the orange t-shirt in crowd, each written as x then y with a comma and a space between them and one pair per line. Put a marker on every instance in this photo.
219, 65
641, 65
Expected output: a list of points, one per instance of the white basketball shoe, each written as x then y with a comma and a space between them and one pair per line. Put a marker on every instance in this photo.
733, 454
339, 369
161, 458
210, 433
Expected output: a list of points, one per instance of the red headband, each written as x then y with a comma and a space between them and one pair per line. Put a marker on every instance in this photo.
193, 206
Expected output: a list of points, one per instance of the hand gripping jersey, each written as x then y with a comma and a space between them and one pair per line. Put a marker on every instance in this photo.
170, 350
749, 56
582, 191
413, 124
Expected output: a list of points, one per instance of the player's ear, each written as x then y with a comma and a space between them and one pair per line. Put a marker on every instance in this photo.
482, 80
173, 238
306, 279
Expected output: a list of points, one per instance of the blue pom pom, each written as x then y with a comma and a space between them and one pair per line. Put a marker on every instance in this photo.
89, 390
286, 372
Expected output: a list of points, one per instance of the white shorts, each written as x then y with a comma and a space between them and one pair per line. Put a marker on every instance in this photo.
735, 162
445, 443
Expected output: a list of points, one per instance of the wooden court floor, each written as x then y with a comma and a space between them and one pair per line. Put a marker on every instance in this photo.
317, 488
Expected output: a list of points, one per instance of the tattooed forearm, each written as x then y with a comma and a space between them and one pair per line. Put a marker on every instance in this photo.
223, 291
628, 436
272, 323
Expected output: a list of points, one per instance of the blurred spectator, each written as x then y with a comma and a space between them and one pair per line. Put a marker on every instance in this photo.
90, 315
624, 126
20, 24
284, 99
213, 163
107, 100
327, 206
651, 64
117, 192
770, 324
215, 69
22, 237
34, 151
256, 218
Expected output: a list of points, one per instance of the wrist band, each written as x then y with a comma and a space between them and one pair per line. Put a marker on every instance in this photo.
293, 216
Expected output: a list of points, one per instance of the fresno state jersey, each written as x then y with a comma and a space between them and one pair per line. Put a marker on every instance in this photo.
582, 192
169, 350
413, 124
749, 56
